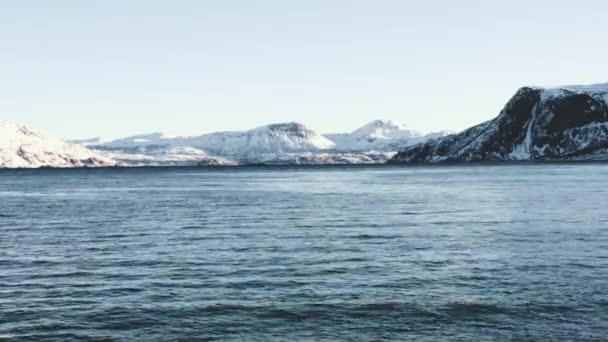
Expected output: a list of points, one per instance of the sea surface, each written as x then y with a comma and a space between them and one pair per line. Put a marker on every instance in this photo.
459, 253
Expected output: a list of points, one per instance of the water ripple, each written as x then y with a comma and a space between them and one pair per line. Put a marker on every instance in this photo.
259, 254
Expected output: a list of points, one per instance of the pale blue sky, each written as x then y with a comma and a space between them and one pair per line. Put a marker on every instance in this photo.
117, 67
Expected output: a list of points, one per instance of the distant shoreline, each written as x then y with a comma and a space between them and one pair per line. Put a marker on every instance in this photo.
322, 166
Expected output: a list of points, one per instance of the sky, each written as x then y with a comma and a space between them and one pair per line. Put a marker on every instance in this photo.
112, 68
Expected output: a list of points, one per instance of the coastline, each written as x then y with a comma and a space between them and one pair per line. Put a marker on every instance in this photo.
321, 166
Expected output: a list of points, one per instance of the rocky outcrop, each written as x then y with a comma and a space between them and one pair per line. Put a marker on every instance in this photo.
567, 123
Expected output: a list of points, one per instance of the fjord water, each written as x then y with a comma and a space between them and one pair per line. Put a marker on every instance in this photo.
469, 253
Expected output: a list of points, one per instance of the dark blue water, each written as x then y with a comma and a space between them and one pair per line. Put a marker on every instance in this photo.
511, 252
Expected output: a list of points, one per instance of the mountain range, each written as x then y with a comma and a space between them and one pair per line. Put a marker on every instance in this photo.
284, 143
563, 123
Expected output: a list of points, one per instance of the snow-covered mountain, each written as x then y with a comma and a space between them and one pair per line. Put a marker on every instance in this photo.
564, 123
380, 135
23, 147
286, 137
277, 138
283, 143
260, 145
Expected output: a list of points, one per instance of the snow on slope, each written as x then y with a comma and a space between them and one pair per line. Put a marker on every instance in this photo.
277, 138
593, 88
23, 147
252, 146
380, 135
278, 143
286, 138
156, 155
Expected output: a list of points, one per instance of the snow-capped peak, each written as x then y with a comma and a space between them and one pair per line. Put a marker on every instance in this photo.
385, 129
281, 137
378, 135
275, 139
288, 137
288, 127
383, 124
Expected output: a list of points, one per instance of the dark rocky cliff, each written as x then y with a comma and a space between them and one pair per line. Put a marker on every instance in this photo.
536, 124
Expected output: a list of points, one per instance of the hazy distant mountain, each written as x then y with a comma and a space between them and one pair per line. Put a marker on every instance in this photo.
287, 137
284, 143
282, 138
277, 138
564, 123
23, 147
380, 135
277, 142
140, 140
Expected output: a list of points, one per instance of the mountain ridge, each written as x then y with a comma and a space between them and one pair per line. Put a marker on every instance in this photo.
563, 123
278, 143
